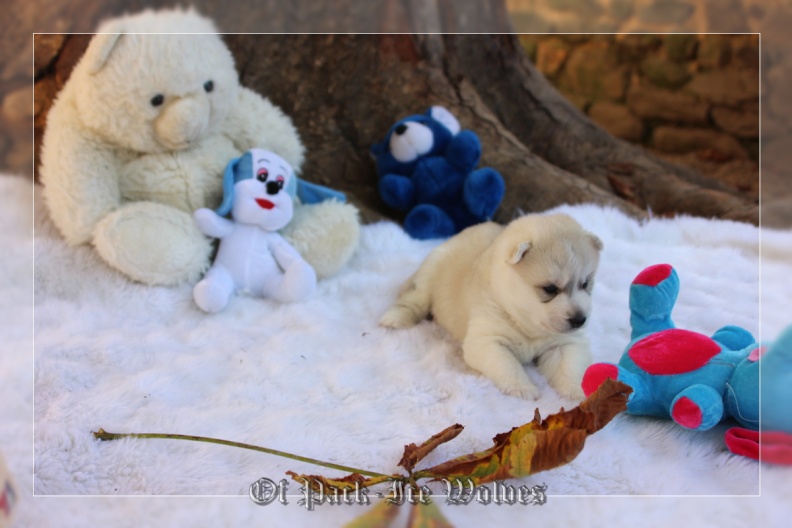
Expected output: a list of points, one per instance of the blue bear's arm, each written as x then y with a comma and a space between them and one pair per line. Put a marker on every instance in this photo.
483, 192
397, 191
464, 151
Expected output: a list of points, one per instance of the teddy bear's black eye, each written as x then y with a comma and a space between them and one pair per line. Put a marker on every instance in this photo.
208, 86
157, 100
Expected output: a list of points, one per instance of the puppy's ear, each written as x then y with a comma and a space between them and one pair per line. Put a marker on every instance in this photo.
519, 252
596, 242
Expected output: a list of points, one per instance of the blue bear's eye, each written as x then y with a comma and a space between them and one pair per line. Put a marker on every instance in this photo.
208, 86
157, 100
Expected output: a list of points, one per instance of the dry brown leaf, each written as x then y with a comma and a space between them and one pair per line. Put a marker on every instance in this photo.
350, 482
540, 444
427, 515
414, 454
380, 516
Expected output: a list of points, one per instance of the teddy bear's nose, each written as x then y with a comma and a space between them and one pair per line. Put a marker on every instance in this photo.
399, 130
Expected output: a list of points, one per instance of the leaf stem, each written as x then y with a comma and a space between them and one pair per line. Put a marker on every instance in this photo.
101, 434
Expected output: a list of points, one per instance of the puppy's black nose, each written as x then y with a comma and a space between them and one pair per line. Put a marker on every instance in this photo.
577, 321
399, 130
273, 187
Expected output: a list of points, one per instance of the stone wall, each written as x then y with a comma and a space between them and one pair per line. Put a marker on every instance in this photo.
692, 98
771, 18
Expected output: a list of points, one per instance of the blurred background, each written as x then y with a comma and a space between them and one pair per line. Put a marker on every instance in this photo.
672, 81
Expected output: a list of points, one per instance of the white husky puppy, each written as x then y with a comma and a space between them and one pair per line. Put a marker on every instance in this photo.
511, 295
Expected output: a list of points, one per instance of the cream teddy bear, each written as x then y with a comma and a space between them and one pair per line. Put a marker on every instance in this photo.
138, 139
252, 257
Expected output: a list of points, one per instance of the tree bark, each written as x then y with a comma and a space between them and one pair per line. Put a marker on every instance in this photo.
345, 91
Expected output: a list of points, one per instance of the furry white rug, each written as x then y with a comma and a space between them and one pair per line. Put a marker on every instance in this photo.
322, 380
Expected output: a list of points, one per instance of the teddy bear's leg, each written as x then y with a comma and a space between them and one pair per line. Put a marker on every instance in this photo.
483, 192
153, 243
211, 294
699, 407
427, 221
297, 283
653, 293
325, 234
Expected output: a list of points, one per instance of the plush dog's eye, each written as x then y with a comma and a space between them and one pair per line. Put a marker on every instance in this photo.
157, 100
584, 285
208, 86
262, 174
550, 289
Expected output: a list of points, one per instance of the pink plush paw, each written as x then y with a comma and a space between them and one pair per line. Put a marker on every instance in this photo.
596, 374
687, 413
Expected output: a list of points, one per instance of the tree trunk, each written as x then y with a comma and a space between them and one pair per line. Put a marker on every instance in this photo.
345, 91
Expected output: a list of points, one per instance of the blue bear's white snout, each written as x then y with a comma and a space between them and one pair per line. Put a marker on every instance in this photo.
410, 140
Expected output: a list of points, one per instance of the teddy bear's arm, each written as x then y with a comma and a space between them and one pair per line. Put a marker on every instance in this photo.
464, 151
397, 191
211, 224
254, 122
80, 176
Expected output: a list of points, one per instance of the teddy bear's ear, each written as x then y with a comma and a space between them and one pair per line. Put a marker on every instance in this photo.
445, 118
99, 50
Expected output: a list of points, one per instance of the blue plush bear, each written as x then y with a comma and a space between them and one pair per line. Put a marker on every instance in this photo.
694, 379
427, 168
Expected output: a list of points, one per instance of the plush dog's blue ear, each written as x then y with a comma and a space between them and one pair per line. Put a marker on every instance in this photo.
237, 169
311, 193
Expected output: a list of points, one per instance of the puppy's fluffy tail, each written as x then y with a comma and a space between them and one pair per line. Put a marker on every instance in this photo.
411, 307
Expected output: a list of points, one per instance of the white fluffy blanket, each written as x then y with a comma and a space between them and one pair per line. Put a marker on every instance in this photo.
322, 380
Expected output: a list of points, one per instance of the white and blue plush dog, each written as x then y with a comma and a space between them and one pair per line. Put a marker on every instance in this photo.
258, 190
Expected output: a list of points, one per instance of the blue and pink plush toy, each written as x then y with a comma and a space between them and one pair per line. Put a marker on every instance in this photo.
698, 380
427, 169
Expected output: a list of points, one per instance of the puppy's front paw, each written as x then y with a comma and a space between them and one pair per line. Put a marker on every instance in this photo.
398, 317
526, 392
572, 392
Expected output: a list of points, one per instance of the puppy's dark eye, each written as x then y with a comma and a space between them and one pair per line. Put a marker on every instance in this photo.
584, 285
262, 174
550, 289
208, 86
157, 100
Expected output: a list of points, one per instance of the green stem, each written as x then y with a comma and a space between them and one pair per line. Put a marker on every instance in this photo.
101, 434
